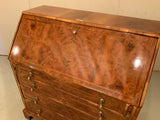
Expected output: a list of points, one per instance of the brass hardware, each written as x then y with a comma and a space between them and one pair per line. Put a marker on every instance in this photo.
33, 86
36, 100
101, 102
38, 112
29, 75
129, 111
100, 115
74, 31
126, 113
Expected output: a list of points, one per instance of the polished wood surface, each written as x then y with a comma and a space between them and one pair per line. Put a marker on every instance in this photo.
93, 56
55, 107
70, 112
59, 87
45, 114
65, 61
116, 22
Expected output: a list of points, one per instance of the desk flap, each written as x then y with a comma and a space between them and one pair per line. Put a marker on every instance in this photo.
112, 62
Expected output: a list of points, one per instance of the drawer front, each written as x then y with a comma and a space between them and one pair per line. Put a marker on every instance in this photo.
60, 107
41, 112
66, 99
64, 84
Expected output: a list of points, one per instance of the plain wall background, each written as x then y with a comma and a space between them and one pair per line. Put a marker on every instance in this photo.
10, 12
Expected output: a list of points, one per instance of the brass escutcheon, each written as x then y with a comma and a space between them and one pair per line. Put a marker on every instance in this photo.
74, 31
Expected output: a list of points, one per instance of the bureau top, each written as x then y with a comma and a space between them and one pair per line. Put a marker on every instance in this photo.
116, 22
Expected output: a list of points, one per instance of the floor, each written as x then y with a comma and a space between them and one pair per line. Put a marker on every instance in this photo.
11, 104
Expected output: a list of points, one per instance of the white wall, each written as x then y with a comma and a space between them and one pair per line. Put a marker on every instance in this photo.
10, 12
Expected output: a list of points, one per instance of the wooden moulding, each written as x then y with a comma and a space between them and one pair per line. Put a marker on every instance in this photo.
112, 22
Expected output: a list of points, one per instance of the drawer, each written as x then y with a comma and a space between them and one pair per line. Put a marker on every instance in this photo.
42, 113
60, 107
43, 91
75, 102
64, 84
46, 103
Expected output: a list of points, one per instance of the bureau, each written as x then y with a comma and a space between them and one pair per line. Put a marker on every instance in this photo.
80, 65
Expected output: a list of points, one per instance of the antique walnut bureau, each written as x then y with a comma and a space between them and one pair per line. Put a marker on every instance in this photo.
79, 65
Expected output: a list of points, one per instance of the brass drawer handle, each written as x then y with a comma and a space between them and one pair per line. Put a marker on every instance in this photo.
38, 112
129, 110
101, 102
100, 115
36, 99
30, 74
33, 86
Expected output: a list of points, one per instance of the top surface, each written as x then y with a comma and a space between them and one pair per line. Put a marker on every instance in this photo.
107, 20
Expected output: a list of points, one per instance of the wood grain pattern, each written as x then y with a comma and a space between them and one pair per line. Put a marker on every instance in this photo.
77, 57
69, 113
114, 22
45, 114
51, 86
55, 107
93, 57
149, 73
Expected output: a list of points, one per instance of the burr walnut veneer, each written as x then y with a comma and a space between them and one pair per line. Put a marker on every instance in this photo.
79, 65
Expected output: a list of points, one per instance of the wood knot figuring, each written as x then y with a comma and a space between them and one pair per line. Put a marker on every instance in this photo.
33, 26
131, 46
